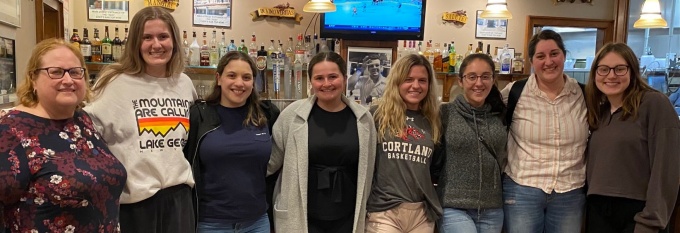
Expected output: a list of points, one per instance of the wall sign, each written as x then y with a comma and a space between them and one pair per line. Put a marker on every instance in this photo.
168, 4
279, 11
212, 13
457, 17
115, 10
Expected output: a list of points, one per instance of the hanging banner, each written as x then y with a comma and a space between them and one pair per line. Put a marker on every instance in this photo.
168, 4
457, 17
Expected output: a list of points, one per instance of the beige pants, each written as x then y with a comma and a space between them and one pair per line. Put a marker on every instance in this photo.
405, 218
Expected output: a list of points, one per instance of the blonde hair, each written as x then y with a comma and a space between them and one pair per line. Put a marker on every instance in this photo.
26, 91
390, 114
132, 61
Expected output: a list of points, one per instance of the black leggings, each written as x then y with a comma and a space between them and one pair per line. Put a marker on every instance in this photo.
612, 214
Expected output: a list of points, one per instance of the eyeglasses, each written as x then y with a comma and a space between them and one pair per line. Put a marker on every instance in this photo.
58, 72
474, 77
618, 70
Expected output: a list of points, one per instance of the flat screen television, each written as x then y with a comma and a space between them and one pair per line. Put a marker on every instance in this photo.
375, 20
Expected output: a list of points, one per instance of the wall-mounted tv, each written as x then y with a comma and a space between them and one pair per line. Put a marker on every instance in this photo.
375, 20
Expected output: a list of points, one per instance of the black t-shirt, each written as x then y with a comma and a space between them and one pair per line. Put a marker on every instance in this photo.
333, 161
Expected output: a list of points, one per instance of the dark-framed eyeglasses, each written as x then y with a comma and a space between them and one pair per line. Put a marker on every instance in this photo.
58, 72
473, 77
618, 70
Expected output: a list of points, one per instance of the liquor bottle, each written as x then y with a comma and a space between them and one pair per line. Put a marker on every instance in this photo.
271, 49
309, 49
323, 47
315, 43
437, 60
214, 51
96, 47
117, 46
469, 50
261, 78
252, 48
401, 51
445, 58
496, 61
297, 70
428, 53
288, 70
222, 46
452, 58
488, 50
480, 47
232, 46
205, 51
506, 60
242, 48
86, 47
75, 39
299, 49
185, 48
276, 72
420, 48
290, 50
195, 52
107, 54
518, 64
124, 41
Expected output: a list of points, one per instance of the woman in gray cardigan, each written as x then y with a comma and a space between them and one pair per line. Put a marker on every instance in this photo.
325, 146
474, 144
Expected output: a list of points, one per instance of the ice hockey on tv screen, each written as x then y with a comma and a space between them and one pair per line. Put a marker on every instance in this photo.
375, 20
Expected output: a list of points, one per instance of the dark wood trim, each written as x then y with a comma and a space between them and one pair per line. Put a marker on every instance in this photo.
605, 30
621, 8
39, 19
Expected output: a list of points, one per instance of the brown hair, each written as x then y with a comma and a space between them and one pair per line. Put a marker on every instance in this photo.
25, 92
255, 115
132, 61
390, 114
632, 96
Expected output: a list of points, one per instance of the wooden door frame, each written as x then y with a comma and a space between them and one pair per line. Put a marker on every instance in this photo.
605, 30
40, 18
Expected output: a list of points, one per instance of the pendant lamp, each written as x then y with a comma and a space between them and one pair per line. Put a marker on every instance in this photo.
496, 9
650, 16
319, 6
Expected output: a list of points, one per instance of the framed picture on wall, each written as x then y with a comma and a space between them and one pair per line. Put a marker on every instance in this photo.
491, 28
367, 69
113, 10
11, 12
212, 13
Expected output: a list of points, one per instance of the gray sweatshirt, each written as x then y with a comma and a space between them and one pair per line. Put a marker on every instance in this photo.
471, 174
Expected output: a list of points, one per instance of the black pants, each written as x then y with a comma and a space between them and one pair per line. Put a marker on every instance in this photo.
612, 214
342, 225
168, 211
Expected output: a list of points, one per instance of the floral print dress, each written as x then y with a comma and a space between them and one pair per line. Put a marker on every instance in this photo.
57, 175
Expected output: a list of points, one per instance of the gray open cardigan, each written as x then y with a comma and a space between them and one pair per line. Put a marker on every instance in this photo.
290, 151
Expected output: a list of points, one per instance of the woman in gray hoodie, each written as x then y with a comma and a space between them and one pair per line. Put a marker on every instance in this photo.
473, 152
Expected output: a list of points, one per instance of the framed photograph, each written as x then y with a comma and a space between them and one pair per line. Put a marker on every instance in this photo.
367, 69
212, 13
11, 12
491, 28
112, 10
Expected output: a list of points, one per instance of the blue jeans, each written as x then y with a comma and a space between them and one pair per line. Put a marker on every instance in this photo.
530, 210
261, 225
471, 220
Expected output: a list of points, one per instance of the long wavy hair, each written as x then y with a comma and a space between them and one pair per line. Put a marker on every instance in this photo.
495, 99
27, 97
390, 114
632, 96
132, 62
255, 115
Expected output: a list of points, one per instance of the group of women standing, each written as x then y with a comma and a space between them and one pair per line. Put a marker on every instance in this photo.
142, 155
